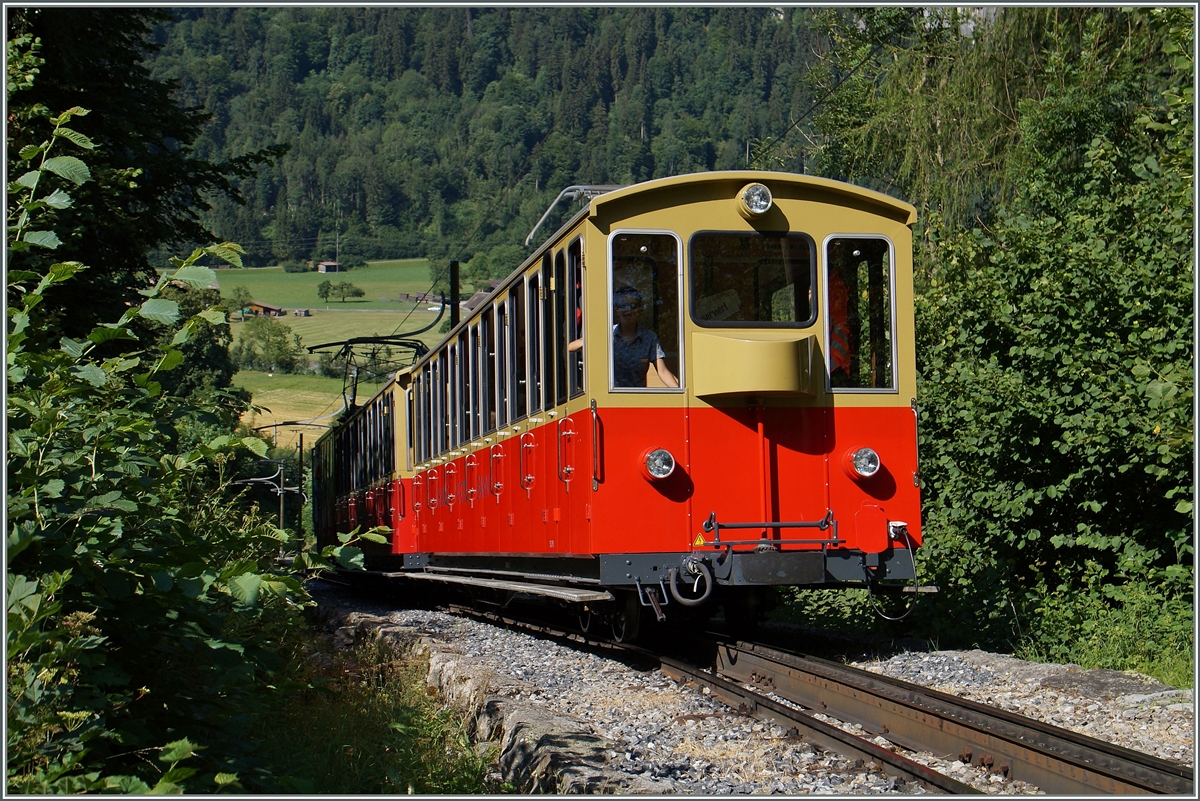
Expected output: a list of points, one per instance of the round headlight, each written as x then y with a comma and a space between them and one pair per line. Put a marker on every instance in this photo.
659, 463
754, 200
865, 462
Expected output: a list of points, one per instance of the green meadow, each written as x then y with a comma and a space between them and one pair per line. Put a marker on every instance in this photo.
383, 281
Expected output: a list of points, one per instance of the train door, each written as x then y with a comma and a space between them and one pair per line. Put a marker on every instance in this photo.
501, 450
573, 432
517, 454
646, 409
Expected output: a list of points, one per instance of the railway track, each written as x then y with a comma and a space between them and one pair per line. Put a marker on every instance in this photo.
1057, 760
797, 691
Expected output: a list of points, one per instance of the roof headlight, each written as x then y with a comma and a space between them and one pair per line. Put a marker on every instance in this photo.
862, 463
754, 200
658, 464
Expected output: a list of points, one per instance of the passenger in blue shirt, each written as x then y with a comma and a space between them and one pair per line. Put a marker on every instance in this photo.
635, 348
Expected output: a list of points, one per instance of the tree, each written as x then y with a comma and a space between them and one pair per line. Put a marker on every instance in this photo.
348, 290
268, 345
241, 300
149, 189
324, 289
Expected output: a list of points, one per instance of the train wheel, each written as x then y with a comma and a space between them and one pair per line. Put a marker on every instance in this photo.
627, 620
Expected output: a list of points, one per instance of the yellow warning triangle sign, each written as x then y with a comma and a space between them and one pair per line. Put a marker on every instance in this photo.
699, 540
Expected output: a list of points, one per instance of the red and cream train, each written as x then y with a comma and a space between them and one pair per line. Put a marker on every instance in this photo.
698, 386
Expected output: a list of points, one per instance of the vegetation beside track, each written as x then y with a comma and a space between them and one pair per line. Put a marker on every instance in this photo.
363, 722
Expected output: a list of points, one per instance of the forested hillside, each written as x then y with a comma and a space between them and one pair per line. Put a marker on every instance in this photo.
443, 132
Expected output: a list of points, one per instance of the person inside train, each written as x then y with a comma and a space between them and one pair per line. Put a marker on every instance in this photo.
635, 348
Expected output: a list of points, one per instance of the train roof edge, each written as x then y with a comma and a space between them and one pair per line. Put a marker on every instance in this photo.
886, 203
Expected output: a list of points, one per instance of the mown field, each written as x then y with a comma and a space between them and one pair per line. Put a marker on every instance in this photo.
286, 398
338, 324
310, 399
383, 281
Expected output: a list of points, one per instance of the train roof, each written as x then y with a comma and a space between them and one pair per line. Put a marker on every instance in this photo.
877, 202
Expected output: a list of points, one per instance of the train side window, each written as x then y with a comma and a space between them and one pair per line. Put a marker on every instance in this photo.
454, 407
476, 402
422, 418
535, 343
575, 317
752, 280
519, 358
561, 291
487, 375
644, 285
444, 401
549, 401
860, 323
502, 382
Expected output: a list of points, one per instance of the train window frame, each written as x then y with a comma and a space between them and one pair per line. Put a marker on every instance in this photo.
546, 310
533, 339
503, 383
473, 368
576, 291
519, 346
611, 317
894, 389
693, 294
487, 372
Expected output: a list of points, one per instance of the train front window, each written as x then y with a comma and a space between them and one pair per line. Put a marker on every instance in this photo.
742, 280
860, 327
644, 304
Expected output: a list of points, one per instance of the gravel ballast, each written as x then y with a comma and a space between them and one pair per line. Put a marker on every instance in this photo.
564, 720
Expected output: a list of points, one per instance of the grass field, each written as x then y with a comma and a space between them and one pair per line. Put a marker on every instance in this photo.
294, 398
337, 324
383, 281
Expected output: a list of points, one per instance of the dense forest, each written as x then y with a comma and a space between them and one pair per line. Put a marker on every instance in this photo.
1049, 152
445, 132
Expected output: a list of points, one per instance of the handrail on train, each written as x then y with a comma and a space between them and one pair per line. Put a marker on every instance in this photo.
574, 192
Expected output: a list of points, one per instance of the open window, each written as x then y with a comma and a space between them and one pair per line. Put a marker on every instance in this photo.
860, 318
644, 352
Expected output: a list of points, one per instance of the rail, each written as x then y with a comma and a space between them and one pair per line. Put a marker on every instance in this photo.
1059, 761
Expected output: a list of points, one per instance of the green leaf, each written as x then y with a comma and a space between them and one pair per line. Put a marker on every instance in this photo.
58, 199
256, 445
126, 784
68, 167
350, 557
170, 360
29, 180
76, 138
160, 311
92, 374
73, 111
53, 488
44, 239
177, 751
1183, 507
227, 779
29, 151
195, 276
228, 251
244, 588
106, 334
214, 316
72, 348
